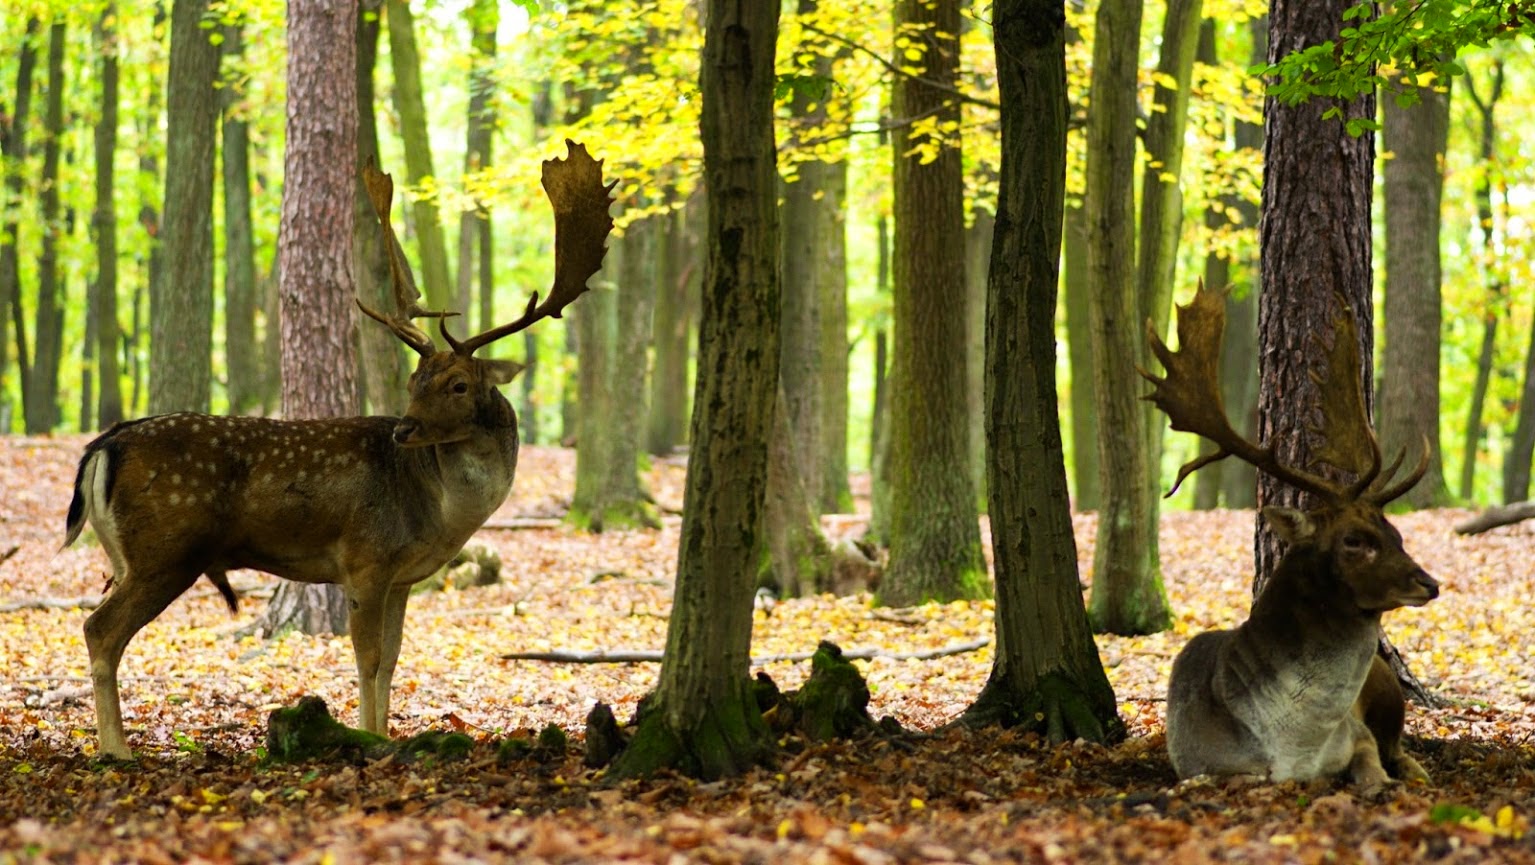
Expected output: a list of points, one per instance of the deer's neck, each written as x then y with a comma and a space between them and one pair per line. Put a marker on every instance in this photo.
473, 475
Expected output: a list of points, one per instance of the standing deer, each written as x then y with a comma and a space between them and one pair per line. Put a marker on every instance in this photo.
1297, 691
373, 504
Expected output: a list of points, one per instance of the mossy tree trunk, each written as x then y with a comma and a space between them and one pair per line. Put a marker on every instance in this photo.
1127, 596
702, 718
934, 531
799, 558
836, 496
1047, 675
1079, 347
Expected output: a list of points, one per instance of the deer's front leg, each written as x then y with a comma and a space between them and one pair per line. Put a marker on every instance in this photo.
389, 651
366, 621
1364, 768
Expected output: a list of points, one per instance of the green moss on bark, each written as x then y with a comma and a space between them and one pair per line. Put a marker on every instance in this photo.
308, 731
726, 740
1058, 708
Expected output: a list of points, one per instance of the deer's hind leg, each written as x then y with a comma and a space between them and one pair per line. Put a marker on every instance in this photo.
137, 597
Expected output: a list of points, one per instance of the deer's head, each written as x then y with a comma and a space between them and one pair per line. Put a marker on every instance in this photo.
1344, 538
452, 392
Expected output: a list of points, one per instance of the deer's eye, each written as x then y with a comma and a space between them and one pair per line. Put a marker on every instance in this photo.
1354, 542
461, 387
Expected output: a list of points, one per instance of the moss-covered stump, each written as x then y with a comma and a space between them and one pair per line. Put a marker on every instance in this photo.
1058, 708
308, 731
435, 744
834, 702
604, 739
550, 745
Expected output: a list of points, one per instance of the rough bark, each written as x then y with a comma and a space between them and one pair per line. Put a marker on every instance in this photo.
315, 245
1408, 402
1492, 271
1047, 675
242, 356
1315, 246
181, 294
934, 532
1127, 595
702, 719
405, 61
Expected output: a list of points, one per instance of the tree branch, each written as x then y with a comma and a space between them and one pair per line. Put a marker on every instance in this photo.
645, 656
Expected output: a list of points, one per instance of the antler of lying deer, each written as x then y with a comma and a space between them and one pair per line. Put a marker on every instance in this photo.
581, 226
1189, 394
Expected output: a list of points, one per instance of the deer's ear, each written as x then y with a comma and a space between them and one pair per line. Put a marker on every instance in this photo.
502, 371
1289, 524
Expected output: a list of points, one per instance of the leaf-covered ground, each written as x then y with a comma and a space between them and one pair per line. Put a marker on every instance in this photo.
196, 697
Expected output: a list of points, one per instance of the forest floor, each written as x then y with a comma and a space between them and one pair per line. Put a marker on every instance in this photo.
196, 697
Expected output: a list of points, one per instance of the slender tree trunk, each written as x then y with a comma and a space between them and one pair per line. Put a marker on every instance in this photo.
978, 241
13, 150
1127, 596
484, 19
668, 381
315, 247
181, 297
109, 404
702, 718
382, 362
242, 356
1408, 405
1492, 272
799, 559
1085, 472
835, 494
405, 60
153, 262
42, 408
879, 436
935, 549
626, 503
1047, 675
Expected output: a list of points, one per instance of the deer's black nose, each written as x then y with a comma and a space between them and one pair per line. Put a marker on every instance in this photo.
1429, 584
405, 429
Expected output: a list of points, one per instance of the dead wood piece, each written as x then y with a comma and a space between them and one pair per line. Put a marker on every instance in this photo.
1491, 518
517, 523
647, 656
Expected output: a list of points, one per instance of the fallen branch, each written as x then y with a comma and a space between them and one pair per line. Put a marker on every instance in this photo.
650, 656
91, 602
1493, 517
6, 556
515, 523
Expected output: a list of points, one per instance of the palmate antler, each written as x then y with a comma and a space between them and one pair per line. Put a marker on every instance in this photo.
581, 227
1189, 394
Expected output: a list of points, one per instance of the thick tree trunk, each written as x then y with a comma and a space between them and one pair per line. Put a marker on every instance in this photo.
1127, 596
1047, 675
409, 103
315, 246
1408, 402
181, 295
109, 403
42, 407
1315, 246
935, 548
702, 718
242, 357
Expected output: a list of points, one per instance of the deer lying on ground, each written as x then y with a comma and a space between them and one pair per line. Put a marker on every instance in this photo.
1297, 692
373, 504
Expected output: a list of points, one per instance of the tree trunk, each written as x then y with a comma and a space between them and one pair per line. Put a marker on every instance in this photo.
1161, 224
626, 503
42, 407
13, 149
181, 297
669, 378
1085, 471
315, 247
1239, 390
242, 357
405, 60
1492, 271
879, 413
1315, 245
1127, 596
153, 261
1409, 385
1047, 675
484, 19
109, 403
799, 559
383, 368
702, 718
978, 241
935, 544
835, 494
